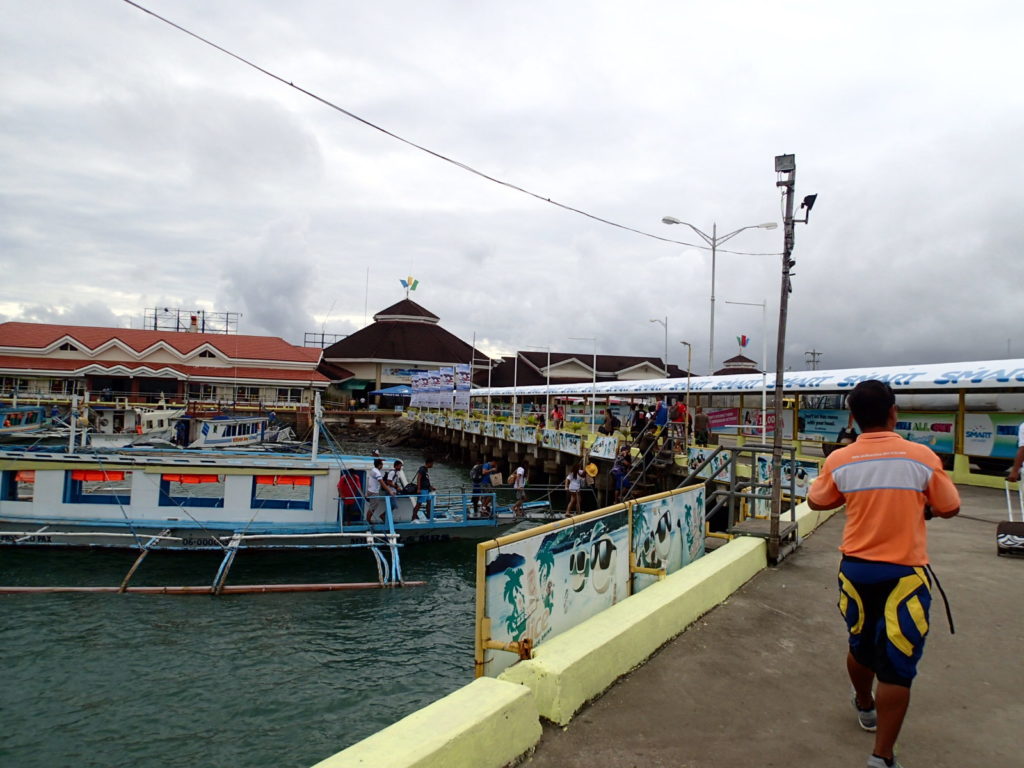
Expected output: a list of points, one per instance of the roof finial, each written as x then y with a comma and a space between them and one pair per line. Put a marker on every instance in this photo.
409, 284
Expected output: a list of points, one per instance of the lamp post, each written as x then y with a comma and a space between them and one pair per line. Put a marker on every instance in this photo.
515, 386
664, 324
714, 241
593, 385
689, 362
785, 169
547, 384
764, 361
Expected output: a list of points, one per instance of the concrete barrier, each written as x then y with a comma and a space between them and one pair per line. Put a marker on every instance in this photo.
808, 519
576, 666
486, 724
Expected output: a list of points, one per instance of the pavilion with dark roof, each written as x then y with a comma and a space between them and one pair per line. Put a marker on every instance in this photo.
735, 366
403, 339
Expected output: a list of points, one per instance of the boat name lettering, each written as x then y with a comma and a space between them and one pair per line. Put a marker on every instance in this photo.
200, 542
26, 539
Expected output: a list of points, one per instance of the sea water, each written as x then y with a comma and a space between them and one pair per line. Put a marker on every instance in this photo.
242, 680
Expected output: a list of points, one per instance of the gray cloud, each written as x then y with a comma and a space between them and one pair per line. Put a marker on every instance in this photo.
142, 168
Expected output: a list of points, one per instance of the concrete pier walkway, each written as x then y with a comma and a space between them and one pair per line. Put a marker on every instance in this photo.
761, 680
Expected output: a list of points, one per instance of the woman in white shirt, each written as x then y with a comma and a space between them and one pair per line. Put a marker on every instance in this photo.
573, 483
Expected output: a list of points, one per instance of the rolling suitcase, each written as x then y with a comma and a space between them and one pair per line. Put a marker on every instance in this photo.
1010, 534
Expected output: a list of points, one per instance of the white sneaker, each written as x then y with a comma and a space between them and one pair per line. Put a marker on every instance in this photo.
877, 762
867, 718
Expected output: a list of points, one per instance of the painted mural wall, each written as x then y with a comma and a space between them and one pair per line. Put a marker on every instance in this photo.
540, 586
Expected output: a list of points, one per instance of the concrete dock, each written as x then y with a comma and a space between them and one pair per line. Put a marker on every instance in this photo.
761, 680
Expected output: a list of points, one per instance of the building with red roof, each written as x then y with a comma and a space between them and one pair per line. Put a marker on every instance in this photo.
57, 361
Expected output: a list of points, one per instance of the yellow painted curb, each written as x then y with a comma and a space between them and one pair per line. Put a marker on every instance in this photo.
808, 519
486, 724
571, 669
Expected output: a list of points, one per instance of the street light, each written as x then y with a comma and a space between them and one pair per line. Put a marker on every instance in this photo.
515, 387
547, 393
714, 241
664, 324
764, 362
593, 385
689, 363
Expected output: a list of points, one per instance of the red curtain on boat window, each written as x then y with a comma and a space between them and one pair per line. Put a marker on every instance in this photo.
191, 479
95, 475
284, 480
25, 476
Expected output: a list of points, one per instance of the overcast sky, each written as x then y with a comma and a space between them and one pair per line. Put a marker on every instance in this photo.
142, 168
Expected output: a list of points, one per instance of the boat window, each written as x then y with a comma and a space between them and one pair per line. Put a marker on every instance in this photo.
18, 485
97, 486
282, 492
191, 490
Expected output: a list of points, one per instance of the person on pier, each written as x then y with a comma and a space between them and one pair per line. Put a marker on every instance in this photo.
890, 487
423, 489
573, 484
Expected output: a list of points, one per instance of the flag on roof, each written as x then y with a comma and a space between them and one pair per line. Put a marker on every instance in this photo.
409, 283
742, 341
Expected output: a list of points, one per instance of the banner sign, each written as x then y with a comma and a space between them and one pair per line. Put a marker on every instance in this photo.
549, 439
991, 434
936, 430
570, 442
604, 447
462, 386
723, 420
540, 586
697, 456
822, 425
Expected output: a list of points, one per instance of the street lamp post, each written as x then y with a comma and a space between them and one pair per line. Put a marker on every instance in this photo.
664, 324
515, 387
785, 168
714, 241
547, 393
689, 362
764, 362
593, 373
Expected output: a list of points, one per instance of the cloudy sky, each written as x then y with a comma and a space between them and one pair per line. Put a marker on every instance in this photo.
142, 168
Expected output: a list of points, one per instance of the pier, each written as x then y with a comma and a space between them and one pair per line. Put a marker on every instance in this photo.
760, 679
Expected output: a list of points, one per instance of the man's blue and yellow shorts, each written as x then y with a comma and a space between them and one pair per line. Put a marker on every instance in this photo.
886, 611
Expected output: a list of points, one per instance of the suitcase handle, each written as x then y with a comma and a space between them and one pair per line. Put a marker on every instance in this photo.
1020, 500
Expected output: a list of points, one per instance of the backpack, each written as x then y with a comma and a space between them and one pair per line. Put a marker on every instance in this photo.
476, 474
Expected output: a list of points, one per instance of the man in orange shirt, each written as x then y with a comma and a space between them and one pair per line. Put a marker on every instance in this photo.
890, 487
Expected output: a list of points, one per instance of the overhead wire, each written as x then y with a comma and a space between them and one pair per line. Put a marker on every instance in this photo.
427, 150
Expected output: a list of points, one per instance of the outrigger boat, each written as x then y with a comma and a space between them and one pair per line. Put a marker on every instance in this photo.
150, 500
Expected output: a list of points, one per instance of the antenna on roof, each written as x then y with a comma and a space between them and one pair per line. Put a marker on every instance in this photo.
190, 320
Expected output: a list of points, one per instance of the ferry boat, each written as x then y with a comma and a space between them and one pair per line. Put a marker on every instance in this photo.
29, 424
185, 500
122, 427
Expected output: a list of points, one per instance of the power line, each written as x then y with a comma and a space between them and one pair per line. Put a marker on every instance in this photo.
422, 148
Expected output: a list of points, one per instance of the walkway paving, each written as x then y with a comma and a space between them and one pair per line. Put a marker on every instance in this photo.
760, 680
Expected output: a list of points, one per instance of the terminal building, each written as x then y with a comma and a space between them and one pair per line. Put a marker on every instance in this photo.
54, 362
404, 339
